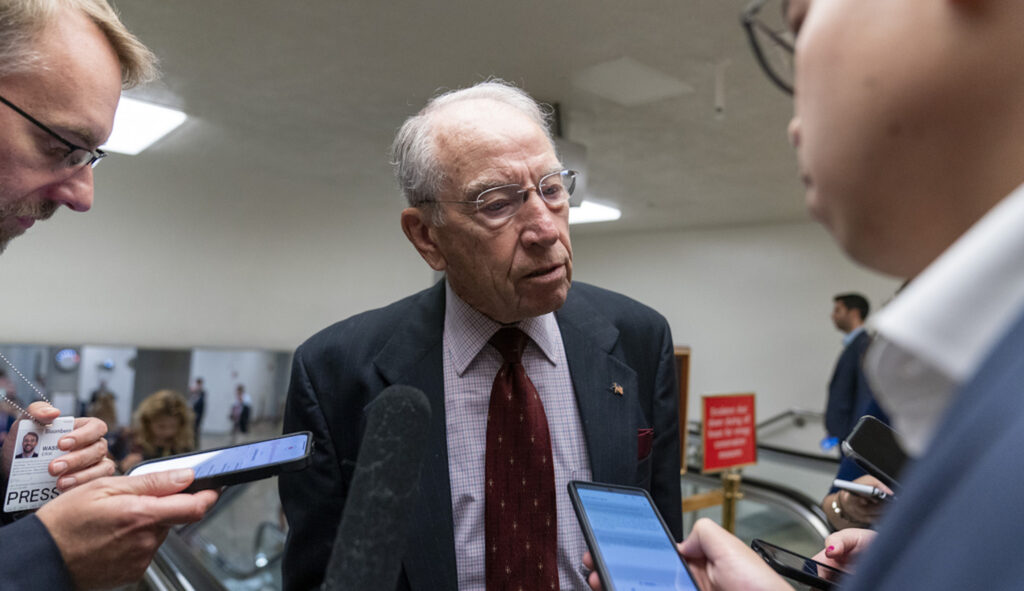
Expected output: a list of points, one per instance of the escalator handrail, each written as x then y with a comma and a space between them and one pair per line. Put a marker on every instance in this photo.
772, 493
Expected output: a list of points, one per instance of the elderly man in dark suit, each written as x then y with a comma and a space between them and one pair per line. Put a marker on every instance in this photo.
488, 206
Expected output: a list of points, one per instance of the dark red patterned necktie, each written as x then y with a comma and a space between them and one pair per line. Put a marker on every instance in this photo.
519, 515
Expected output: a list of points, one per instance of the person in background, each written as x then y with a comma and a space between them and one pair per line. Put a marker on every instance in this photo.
162, 427
118, 438
197, 398
103, 389
241, 411
849, 393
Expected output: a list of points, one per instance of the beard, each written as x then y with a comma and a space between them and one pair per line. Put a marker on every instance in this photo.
9, 212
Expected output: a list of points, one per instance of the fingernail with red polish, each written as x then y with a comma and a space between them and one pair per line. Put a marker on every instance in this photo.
830, 549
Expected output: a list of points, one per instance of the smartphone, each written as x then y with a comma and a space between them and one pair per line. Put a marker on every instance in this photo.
799, 568
629, 541
235, 464
862, 490
876, 449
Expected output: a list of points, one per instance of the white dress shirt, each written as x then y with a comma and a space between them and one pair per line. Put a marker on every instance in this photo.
935, 334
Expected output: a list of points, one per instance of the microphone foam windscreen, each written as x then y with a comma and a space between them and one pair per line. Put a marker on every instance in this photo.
367, 551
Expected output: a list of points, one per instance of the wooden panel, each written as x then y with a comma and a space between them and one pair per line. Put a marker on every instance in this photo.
683, 373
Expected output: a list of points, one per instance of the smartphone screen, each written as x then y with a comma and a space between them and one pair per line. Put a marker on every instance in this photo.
236, 458
797, 567
630, 544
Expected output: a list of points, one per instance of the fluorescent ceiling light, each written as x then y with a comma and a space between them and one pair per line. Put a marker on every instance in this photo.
589, 212
138, 125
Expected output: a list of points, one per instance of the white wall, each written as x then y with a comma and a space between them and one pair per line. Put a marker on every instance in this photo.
753, 303
222, 371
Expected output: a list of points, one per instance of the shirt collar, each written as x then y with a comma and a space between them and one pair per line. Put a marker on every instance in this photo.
852, 335
958, 308
467, 330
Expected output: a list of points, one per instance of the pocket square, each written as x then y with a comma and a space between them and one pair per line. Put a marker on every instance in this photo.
644, 441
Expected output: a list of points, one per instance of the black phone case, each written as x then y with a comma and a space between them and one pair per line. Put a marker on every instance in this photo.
789, 572
240, 476
866, 435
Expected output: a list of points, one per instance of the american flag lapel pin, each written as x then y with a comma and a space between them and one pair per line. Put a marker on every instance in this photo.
616, 389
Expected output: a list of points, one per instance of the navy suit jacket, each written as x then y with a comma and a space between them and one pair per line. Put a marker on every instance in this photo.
608, 339
958, 522
30, 559
849, 392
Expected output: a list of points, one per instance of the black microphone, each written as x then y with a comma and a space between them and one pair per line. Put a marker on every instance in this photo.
366, 553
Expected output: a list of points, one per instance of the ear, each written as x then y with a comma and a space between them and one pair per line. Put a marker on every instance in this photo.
421, 232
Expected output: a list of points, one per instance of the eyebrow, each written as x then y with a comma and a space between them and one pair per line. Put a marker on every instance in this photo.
75, 133
78, 135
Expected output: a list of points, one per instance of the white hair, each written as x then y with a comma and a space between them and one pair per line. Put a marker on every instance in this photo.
414, 151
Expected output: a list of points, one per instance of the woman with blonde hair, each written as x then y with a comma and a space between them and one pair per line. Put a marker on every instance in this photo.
163, 427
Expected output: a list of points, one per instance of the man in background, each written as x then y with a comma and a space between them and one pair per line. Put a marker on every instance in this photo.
849, 393
62, 67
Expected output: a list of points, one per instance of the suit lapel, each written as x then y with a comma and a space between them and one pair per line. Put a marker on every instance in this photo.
607, 416
413, 357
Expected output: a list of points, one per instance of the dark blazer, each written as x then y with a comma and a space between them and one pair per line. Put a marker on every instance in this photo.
608, 339
849, 392
958, 521
30, 559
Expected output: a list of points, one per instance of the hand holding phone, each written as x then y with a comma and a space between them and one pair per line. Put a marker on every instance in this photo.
235, 464
797, 567
628, 540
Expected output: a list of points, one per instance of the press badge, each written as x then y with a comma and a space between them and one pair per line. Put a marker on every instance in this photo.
30, 485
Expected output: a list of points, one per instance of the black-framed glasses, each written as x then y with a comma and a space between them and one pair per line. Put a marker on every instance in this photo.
771, 40
500, 203
76, 157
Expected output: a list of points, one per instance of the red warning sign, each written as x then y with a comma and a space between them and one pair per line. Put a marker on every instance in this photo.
730, 431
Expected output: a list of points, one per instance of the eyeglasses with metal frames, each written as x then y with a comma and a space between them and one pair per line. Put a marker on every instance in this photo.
772, 46
500, 203
77, 156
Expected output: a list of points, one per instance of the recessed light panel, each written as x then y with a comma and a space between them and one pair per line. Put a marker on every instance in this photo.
138, 125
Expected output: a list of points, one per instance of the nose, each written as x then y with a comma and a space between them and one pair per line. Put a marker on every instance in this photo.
540, 222
76, 191
793, 130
